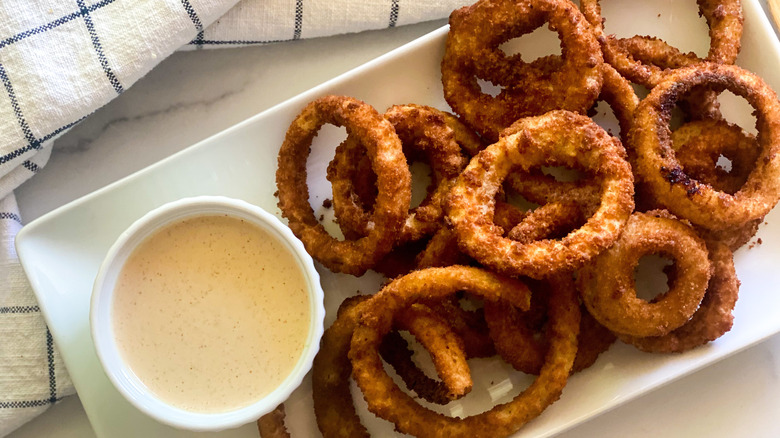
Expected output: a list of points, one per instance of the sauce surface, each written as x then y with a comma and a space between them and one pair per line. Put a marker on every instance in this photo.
211, 313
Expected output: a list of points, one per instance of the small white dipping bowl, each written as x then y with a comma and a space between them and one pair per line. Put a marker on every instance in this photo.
120, 374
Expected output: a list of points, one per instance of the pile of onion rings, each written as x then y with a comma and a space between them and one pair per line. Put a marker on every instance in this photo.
504, 257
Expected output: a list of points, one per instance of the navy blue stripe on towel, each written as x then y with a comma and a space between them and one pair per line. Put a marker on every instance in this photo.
99, 48
298, 19
195, 21
52, 375
393, 14
18, 309
53, 24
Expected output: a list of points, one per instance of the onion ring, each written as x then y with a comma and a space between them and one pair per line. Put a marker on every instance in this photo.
564, 203
700, 104
698, 145
471, 199
393, 179
475, 33
666, 181
469, 141
546, 222
426, 135
618, 93
711, 320
335, 413
386, 400
607, 285
725, 21
734, 238
395, 351
401, 260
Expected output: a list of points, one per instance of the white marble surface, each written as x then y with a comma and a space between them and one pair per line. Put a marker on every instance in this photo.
196, 94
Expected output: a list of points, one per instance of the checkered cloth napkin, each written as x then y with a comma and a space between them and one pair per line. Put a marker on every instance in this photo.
60, 60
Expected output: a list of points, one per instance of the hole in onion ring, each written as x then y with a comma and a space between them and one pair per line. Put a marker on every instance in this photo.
421, 179
323, 146
537, 44
604, 116
564, 174
516, 199
724, 163
650, 276
420, 356
488, 87
640, 90
738, 111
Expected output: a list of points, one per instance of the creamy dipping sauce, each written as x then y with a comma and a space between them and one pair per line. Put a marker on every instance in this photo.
211, 313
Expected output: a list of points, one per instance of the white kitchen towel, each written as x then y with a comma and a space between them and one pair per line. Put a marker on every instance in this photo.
32, 376
60, 60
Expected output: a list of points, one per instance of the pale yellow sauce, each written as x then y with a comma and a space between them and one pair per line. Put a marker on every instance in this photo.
211, 313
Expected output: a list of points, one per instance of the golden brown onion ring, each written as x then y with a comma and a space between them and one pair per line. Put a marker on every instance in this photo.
470, 325
393, 179
386, 400
608, 286
472, 53
425, 135
539, 188
711, 320
557, 138
664, 177
698, 145
725, 21
442, 250
396, 352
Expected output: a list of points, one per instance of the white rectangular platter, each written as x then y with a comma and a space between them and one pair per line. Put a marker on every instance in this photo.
61, 251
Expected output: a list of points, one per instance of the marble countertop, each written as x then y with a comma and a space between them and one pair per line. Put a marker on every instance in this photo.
193, 95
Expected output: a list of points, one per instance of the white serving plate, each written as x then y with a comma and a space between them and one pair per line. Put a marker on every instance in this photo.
62, 250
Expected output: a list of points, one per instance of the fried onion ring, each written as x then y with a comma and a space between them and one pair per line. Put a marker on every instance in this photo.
557, 138
658, 168
725, 21
608, 287
393, 179
711, 320
426, 135
472, 52
651, 51
699, 145
442, 250
470, 325
386, 400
